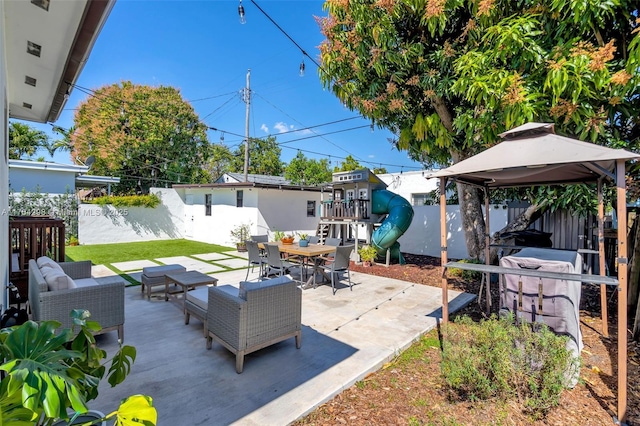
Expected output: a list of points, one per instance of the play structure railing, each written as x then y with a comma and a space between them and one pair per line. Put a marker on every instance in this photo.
346, 209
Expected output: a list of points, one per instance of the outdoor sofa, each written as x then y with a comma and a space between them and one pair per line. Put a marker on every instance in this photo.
54, 294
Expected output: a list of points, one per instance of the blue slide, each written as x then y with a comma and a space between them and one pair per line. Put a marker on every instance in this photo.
399, 216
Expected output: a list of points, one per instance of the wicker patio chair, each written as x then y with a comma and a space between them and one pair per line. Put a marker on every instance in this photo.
263, 313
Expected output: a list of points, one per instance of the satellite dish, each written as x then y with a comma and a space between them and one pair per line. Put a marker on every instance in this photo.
90, 160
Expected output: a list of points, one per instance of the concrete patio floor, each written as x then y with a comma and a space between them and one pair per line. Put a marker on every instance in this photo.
345, 337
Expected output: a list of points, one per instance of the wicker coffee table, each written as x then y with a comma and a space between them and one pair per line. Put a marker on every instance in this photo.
187, 281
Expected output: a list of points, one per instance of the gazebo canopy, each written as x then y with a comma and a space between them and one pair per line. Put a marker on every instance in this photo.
532, 154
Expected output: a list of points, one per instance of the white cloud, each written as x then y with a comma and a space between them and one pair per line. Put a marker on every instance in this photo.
264, 128
372, 156
281, 127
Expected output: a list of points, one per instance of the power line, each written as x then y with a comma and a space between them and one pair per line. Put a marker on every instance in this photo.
304, 52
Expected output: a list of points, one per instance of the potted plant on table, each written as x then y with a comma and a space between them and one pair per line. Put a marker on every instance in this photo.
288, 239
367, 254
50, 375
240, 234
278, 235
304, 239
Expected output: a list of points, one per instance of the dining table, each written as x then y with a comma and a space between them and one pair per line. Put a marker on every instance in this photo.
310, 255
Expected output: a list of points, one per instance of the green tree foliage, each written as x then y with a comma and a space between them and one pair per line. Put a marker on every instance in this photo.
348, 165
380, 170
65, 143
305, 171
220, 161
148, 136
24, 140
449, 76
264, 157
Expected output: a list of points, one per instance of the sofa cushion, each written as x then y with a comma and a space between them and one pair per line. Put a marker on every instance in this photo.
56, 279
199, 297
47, 262
160, 271
246, 286
85, 282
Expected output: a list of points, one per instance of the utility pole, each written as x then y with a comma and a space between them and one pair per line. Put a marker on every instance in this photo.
247, 100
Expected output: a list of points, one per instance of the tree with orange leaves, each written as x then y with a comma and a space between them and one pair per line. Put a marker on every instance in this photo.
147, 136
447, 76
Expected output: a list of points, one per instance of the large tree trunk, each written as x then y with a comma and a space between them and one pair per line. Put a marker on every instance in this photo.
472, 220
522, 222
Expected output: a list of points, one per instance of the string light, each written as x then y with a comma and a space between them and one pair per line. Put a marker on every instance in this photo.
241, 13
302, 68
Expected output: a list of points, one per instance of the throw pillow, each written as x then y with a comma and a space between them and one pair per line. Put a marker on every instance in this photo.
57, 279
46, 261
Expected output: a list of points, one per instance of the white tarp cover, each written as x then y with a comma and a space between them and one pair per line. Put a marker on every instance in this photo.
531, 155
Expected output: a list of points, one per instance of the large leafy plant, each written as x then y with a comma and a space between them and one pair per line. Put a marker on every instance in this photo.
49, 375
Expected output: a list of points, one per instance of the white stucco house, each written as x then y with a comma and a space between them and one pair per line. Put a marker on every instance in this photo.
54, 178
44, 46
423, 236
267, 203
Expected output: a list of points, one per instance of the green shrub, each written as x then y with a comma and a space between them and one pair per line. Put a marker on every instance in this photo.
497, 359
149, 201
465, 274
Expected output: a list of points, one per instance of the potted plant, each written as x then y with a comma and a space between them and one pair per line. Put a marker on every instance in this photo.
367, 254
304, 239
240, 234
50, 375
278, 235
288, 239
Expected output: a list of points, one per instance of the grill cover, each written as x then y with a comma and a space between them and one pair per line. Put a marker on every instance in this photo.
561, 298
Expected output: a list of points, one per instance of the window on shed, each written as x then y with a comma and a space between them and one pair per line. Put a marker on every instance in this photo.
239, 195
207, 204
419, 199
311, 208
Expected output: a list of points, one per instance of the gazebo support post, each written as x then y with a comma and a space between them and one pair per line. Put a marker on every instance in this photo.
601, 262
487, 250
622, 289
443, 249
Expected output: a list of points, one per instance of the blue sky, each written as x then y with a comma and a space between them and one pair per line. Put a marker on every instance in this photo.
201, 48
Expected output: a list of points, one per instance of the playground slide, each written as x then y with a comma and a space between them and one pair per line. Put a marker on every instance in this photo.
399, 215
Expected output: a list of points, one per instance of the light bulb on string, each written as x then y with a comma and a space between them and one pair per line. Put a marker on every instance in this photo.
222, 137
241, 13
302, 67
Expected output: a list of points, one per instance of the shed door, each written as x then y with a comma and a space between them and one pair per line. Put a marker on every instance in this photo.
188, 216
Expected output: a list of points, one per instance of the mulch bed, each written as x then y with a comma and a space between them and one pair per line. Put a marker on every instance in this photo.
415, 394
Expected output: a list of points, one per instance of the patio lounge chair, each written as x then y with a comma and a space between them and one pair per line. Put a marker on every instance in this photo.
262, 313
340, 263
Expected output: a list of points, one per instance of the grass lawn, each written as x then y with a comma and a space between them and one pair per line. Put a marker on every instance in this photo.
100, 254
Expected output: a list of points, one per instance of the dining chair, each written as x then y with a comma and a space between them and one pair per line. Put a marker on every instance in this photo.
274, 261
313, 239
332, 241
341, 263
260, 238
254, 258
